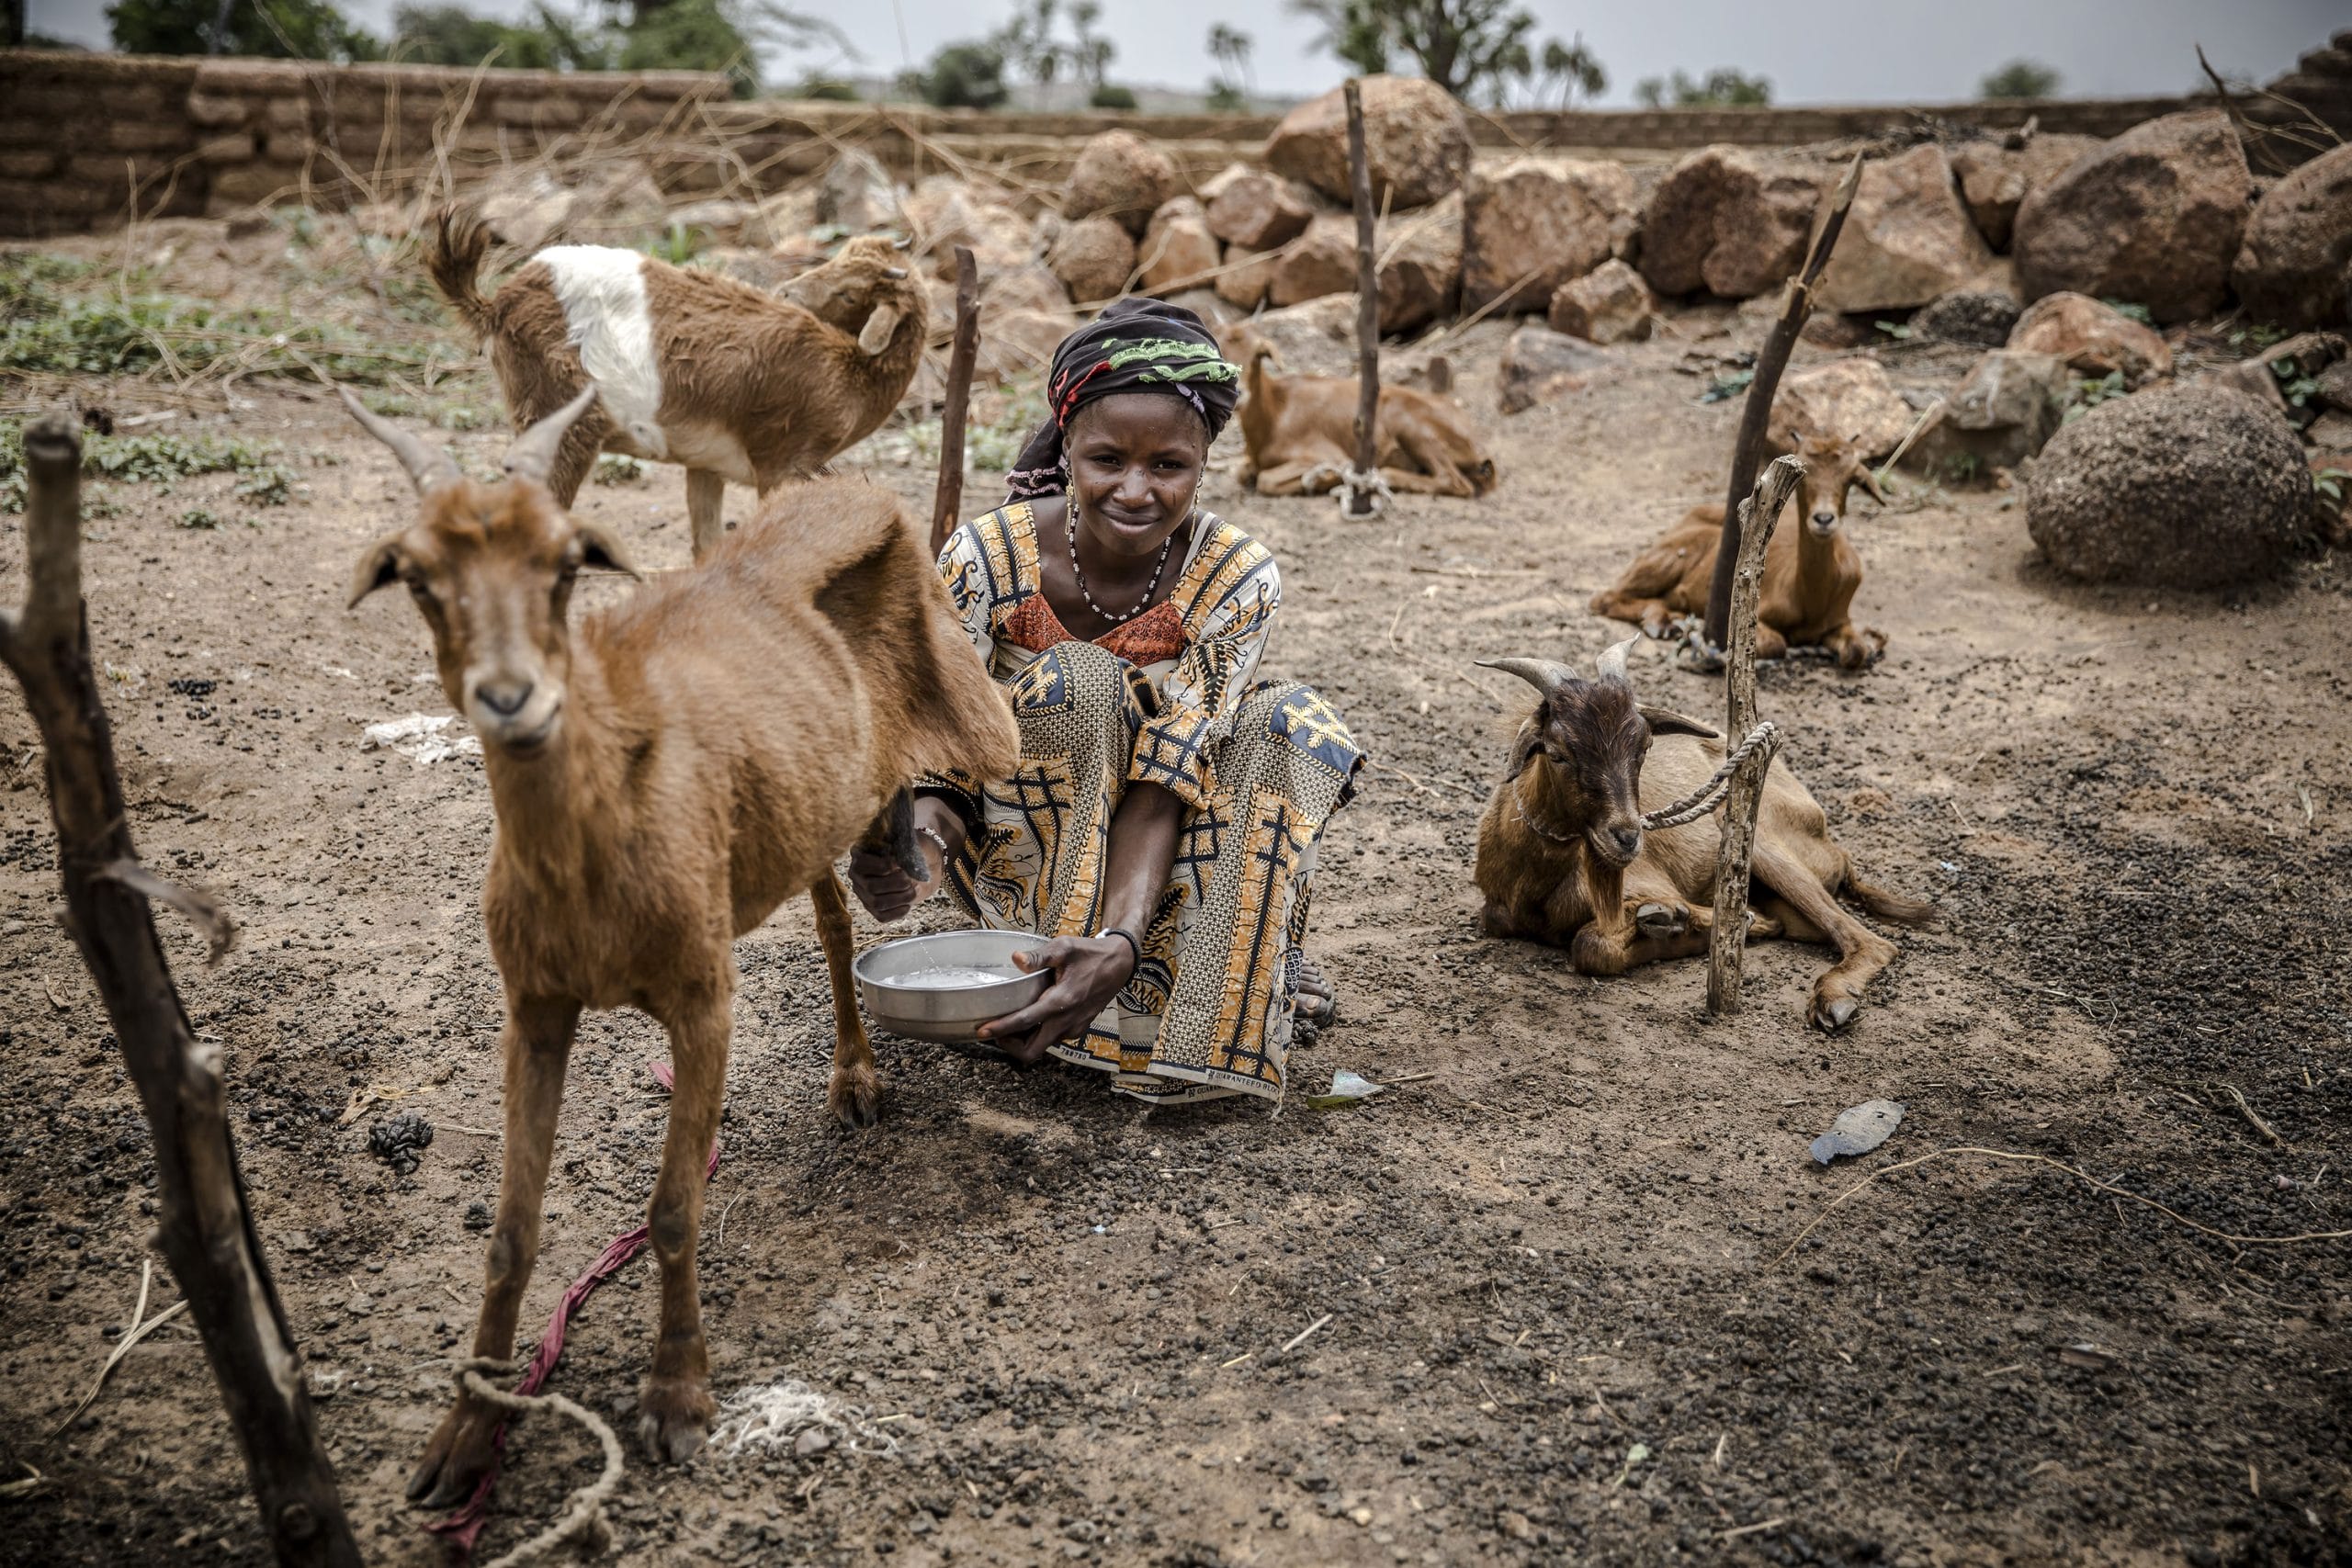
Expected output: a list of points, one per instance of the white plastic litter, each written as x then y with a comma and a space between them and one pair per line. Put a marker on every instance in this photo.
780, 1415
421, 739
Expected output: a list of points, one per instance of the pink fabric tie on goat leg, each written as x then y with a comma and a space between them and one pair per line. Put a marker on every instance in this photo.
464, 1527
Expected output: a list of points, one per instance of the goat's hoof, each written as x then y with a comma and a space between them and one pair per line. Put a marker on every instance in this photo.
674, 1417
1836, 1014
455, 1457
1761, 928
1662, 920
856, 1097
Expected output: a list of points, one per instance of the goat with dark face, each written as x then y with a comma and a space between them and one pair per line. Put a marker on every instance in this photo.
1564, 858
1810, 570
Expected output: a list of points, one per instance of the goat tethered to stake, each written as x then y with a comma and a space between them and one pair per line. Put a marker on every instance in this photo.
1360, 490
948, 498
1727, 940
207, 1228
1747, 446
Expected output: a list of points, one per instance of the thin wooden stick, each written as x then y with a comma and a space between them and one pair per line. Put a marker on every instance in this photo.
1362, 503
948, 498
205, 1225
1747, 446
1727, 942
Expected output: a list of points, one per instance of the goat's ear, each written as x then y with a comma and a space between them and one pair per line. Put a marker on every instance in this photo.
599, 548
1665, 721
880, 328
1867, 477
378, 567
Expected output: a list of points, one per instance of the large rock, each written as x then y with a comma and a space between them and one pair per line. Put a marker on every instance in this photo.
1420, 254
1093, 257
1906, 240
1416, 138
1845, 398
1419, 279
1246, 277
1539, 364
1178, 251
1121, 176
1978, 318
944, 212
856, 193
1995, 178
2091, 338
2153, 217
2184, 487
1255, 209
1608, 304
1536, 223
2292, 268
2002, 413
1731, 221
607, 203
1318, 338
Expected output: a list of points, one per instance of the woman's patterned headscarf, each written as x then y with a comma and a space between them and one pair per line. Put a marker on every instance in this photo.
1135, 345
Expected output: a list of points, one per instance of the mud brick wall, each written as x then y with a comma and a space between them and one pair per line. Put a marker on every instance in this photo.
83, 135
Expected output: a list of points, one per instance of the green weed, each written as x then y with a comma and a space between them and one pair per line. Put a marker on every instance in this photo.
200, 517
614, 468
263, 477
2131, 311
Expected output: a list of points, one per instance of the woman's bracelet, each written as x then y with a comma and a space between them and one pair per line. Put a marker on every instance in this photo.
933, 834
1134, 947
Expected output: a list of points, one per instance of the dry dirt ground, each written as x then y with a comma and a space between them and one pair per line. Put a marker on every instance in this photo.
1556, 1322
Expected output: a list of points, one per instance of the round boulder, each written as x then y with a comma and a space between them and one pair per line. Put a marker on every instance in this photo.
1416, 143
1093, 257
2179, 486
1979, 317
1178, 251
1731, 221
2292, 268
1535, 224
1121, 176
1906, 240
2153, 217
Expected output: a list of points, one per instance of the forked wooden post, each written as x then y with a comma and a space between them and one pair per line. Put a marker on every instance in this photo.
206, 1229
1727, 942
947, 499
1363, 502
1747, 446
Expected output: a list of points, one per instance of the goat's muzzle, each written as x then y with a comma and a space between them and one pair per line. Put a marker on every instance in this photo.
1822, 523
1617, 844
513, 714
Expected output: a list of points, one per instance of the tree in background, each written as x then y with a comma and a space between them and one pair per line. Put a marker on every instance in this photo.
1027, 41
280, 30
960, 77
1569, 68
451, 35
2021, 79
1230, 90
1720, 88
1470, 47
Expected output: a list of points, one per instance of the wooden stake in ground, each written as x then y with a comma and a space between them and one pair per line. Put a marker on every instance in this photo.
1362, 499
1727, 942
1747, 446
948, 498
206, 1230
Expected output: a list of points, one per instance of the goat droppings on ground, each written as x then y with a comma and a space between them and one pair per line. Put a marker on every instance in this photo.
789, 1414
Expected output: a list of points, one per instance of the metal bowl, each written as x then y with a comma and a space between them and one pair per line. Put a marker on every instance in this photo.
891, 987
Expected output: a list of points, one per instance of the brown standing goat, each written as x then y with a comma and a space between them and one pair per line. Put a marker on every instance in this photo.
692, 368
1299, 431
1563, 857
1810, 570
664, 775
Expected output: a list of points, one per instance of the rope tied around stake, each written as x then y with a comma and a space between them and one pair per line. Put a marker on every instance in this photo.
1350, 482
584, 1516
1700, 802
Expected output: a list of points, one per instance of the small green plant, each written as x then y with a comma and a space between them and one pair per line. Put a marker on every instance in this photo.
1899, 331
679, 246
459, 416
1727, 386
614, 469
2330, 483
1962, 468
202, 517
2298, 388
271, 485
263, 477
2260, 336
2088, 393
2131, 311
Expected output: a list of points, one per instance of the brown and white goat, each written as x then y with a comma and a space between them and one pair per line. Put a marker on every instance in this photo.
1810, 570
1299, 431
664, 775
1564, 858
692, 368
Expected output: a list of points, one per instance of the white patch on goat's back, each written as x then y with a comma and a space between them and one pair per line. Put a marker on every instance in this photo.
602, 290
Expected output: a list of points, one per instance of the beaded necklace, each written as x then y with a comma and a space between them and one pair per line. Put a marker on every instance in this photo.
1069, 531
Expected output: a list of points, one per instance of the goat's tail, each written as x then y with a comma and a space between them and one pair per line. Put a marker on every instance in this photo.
1889, 905
460, 240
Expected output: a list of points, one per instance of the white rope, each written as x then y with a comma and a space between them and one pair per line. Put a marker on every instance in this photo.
1354, 485
584, 1516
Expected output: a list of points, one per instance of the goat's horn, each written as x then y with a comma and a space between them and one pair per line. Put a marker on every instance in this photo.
1610, 665
903, 243
1544, 674
428, 465
532, 455
894, 274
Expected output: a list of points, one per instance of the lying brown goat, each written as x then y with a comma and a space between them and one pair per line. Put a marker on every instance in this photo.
1299, 431
1811, 571
1563, 857
693, 368
664, 775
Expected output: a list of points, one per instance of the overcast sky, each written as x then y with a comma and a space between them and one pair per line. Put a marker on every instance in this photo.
1814, 51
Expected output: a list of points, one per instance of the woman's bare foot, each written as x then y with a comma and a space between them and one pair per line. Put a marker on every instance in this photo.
1317, 1005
